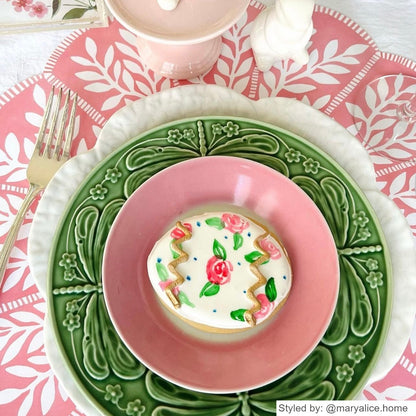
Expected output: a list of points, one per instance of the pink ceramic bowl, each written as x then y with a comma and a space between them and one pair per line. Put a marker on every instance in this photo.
182, 43
220, 363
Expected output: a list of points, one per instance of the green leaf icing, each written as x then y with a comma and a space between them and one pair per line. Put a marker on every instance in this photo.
183, 298
271, 292
253, 256
162, 272
215, 222
238, 241
219, 250
175, 255
238, 314
210, 289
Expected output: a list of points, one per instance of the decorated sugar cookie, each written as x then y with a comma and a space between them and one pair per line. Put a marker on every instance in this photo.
220, 271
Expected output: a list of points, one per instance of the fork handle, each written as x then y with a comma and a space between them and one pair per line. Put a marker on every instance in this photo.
12, 235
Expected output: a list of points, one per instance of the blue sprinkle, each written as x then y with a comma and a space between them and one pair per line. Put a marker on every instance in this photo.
214, 310
198, 224
159, 260
226, 236
248, 234
284, 277
244, 291
195, 258
239, 263
188, 277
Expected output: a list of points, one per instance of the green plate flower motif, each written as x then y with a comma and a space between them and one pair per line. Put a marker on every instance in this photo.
105, 369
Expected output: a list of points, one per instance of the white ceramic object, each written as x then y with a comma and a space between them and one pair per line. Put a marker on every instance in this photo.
199, 100
282, 31
168, 4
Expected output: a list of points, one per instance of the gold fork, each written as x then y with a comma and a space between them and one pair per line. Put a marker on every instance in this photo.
52, 150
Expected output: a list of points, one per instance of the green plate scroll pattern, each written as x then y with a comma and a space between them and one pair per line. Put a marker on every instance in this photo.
101, 364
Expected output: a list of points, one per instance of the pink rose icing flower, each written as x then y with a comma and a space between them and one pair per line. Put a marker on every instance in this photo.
270, 248
266, 307
166, 283
218, 270
177, 233
234, 223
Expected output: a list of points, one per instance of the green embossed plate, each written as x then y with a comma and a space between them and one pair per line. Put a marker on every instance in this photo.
101, 364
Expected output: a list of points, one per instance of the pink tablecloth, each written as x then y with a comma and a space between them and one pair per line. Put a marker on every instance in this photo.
103, 66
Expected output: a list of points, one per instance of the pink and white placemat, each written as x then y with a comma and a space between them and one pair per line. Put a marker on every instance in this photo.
103, 66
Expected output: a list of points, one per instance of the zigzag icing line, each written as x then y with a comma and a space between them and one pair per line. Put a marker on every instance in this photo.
261, 281
183, 257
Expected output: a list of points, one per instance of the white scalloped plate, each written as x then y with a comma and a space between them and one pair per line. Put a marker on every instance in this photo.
197, 100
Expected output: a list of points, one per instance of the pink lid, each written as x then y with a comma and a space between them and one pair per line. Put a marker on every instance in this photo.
191, 21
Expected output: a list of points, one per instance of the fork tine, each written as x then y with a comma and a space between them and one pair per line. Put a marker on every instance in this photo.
42, 167
45, 118
61, 128
52, 127
70, 130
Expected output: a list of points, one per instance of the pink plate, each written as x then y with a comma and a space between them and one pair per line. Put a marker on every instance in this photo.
220, 363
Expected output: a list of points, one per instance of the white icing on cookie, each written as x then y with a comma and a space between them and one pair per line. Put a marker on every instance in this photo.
220, 270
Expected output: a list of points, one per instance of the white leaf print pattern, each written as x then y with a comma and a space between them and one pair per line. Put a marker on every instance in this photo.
322, 70
12, 165
26, 404
27, 318
9, 205
121, 76
235, 63
39, 96
38, 359
22, 371
48, 395
12, 350
9, 395
398, 393
31, 378
91, 47
319, 103
397, 185
382, 132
